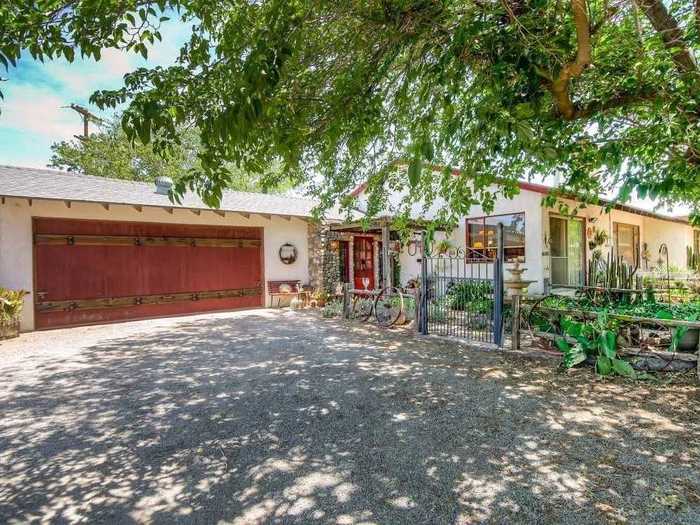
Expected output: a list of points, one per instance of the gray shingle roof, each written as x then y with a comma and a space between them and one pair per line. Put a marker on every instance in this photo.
60, 185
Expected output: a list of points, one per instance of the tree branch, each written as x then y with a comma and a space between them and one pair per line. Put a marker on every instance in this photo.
560, 86
618, 101
670, 32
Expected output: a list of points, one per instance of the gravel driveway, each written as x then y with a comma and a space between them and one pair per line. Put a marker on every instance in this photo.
282, 417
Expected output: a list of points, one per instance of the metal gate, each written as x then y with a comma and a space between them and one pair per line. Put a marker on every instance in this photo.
462, 293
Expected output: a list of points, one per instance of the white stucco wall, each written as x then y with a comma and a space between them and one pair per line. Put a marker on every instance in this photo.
16, 265
652, 231
527, 201
676, 236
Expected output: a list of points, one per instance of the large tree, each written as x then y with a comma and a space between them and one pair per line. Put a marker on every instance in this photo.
109, 153
601, 93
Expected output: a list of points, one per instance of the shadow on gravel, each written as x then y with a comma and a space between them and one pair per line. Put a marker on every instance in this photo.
282, 417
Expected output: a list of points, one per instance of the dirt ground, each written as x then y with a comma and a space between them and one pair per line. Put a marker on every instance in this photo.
282, 417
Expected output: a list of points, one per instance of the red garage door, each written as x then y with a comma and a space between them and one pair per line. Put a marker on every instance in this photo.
94, 272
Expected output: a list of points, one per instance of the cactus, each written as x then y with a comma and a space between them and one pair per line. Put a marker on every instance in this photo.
613, 272
693, 259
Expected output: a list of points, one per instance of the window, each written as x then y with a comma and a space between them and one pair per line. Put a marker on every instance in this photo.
481, 236
696, 238
626, 238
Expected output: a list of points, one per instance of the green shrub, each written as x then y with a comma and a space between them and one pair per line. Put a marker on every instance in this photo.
470, 295
597, 339
332, 309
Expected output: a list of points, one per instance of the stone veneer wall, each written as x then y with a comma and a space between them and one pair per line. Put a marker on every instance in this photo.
324, 263
316, 248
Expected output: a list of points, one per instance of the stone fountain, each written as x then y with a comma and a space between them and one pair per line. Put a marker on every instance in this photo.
517, 287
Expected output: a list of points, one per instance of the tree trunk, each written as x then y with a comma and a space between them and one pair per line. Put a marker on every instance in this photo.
670, 33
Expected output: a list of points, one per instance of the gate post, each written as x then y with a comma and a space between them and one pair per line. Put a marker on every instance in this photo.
498, 298
515, 335
387, 260
423, 294
346, 300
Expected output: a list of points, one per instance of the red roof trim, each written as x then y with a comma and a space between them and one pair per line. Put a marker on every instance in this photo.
529, 186
537, 188
544, 190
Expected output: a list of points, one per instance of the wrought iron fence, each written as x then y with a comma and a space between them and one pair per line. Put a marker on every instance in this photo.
462, 295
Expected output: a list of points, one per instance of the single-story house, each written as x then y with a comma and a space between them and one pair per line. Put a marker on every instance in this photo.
556, 248
93, 249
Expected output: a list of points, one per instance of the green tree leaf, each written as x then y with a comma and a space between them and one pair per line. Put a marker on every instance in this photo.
109, 153
414, 171
349, 89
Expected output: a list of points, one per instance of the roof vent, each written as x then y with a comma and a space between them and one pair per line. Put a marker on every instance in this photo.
163, 185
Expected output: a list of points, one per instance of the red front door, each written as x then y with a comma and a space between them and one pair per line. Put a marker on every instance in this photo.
363, 262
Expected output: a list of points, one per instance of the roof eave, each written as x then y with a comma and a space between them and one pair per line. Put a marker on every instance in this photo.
161, 206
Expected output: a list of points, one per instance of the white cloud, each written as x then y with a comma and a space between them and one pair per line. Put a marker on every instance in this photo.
82, 78
38, 110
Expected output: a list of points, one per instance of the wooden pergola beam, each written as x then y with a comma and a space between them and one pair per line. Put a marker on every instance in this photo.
386, 259
105, 205
169, 210
196, 212
138, 208
68, 203
220, 213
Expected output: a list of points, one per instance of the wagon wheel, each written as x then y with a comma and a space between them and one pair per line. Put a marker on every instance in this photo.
534, 320
388, 306
534, 315
362, 306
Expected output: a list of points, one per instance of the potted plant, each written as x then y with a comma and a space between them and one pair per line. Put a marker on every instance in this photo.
597, 238
11, 303
443, 247
320, 296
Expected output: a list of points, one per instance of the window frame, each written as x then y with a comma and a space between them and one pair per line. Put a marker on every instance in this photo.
636, 240
696, 240
483, 251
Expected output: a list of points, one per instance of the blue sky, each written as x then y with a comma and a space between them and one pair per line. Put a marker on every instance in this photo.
32, 115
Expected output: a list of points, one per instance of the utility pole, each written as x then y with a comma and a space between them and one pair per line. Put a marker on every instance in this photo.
87, 117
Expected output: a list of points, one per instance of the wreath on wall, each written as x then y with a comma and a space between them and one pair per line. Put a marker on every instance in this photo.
288, 253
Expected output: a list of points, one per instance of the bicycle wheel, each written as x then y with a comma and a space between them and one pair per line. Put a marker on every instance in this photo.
362, 306
388, 306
